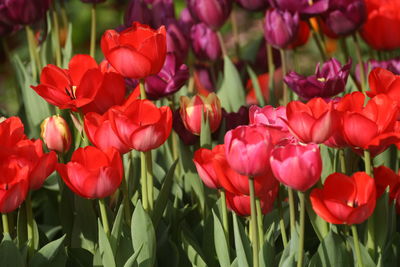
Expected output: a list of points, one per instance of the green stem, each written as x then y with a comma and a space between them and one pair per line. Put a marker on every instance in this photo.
284, 70
301, 239
31, 45
149, 177
29, 221
56, 32
4, 219
253, 222
93, 32
360, 61
371, 220
235, 33
271, 73
225, 222
281, 221
221, 42
357, 246
318, 42
142, 89
291, 211
344, 48
104, 219
143, 181
367, 161
342, 161
125, 192
260, 223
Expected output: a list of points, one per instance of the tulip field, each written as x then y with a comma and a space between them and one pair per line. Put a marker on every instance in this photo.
233, 133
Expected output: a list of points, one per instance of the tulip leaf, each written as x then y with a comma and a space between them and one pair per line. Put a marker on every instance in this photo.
162, 199
193, 251
205, 132
380, 221
84, 233
107, 256
67, 50
242, 244
366, 258
328, 161
220, 242
289, 254
331, 252
9, 253
143, 235
197, 186
131, 262
79, 257
267, 254
117, 227
22, 231
321, 227
231, 94
52, 254
256, 86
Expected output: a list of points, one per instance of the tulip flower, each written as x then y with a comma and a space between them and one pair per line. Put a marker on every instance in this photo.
56, 134
136, 52
327, 81
313, 122
344, 17
137, 11
203, 80
382, 81
352, 204
384, 178
192, 110
184, 134
186, 21
269, 116
99, 130
302, 35
141, 125
253, 5
248, 148
205, 42
169, 80
82, 86
213, 13
93, 173
162, 12
240, 204
281, 27
235, 119
25, 11
382, 13
203, 159
303, 7
177, 41
297, 166
11, 132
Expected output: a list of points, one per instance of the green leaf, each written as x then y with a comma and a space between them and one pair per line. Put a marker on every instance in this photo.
220, 242
366, 258
320, 226
22, 232
143, 235
242, 244
79, 257
131, 262
116, 230
380, 221
267, 254
67, 50
290, 252
256, 85
52, 254
162, 199
193, 251
205, 132
231, 94
107, 256
197, 187
328, 161
331, 252
9, 253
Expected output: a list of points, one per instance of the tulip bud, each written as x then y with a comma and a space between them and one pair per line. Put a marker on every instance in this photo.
56, 134
211, 12
177, 41
205, 42
281, 27
186, 21
25, 11
170, 79
297, 166
162, 12
253, 5
192, 111
137, 11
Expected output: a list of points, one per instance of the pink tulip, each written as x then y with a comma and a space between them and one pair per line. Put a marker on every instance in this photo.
269, 116
297, 166
248, 148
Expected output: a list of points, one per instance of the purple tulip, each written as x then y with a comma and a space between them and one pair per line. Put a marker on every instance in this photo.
253, 5
205, 42
177, 41
327, 82
170, 79
203, 79
24, 12
211, 12
162, 12
345, 16
281, 27
137, 11
303, 7
186, 21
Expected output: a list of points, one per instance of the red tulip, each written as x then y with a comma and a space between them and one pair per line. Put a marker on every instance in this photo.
313, 122
141, 125
81, 86
385, 177
98, 129
376, 122
381, 29
248, 148
192, 111
240, 204
56, 134
92, 173
136, 52
11, 132
203, 159
302, 35
382, 81
297, 166
344, 199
